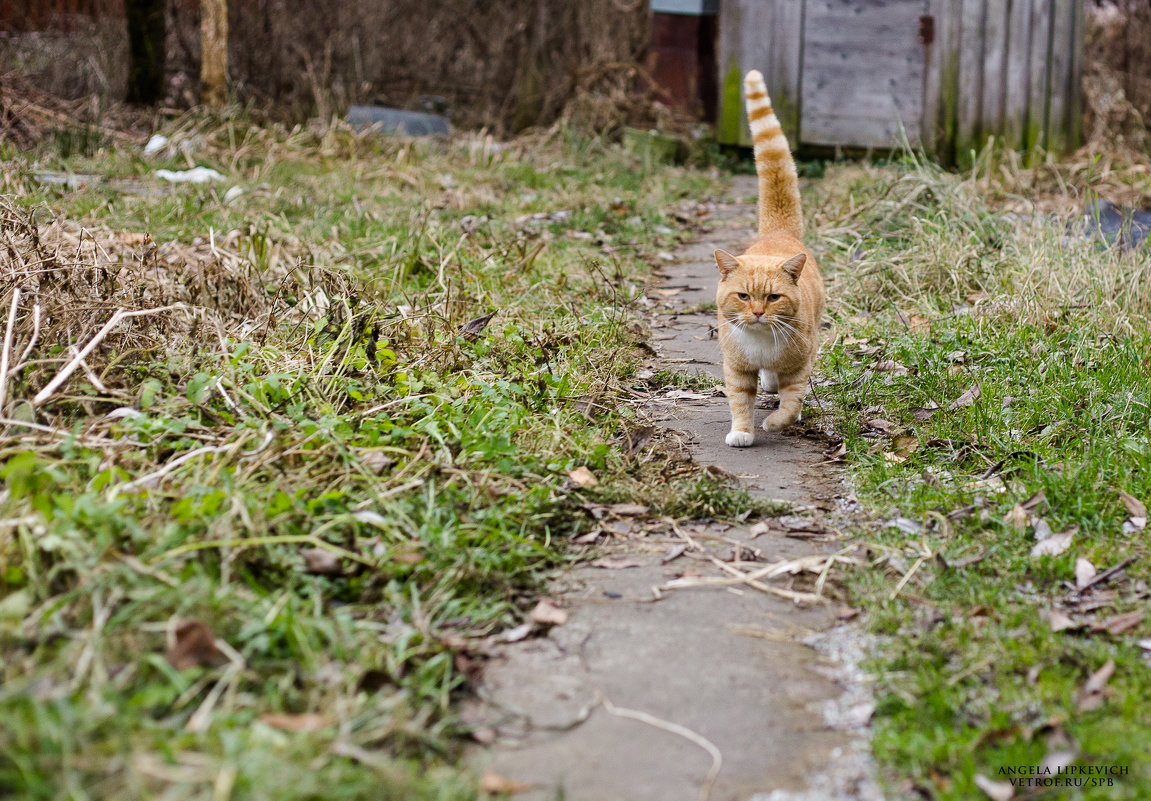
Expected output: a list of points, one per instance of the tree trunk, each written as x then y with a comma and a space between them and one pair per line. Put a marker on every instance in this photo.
147, 28
214, 52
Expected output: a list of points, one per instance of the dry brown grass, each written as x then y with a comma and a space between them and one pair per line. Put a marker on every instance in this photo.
172, 301
1000, 239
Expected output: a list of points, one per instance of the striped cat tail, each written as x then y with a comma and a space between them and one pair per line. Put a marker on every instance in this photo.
778, 182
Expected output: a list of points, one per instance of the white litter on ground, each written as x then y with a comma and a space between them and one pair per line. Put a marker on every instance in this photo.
157, 143
196, 175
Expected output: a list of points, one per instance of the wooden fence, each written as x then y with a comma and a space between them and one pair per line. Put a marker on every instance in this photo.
941, 74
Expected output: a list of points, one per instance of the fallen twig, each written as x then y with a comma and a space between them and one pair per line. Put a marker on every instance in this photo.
674, 728
813, 563
23, 360
791, 595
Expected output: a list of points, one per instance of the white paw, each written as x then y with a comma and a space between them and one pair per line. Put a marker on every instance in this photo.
739, 439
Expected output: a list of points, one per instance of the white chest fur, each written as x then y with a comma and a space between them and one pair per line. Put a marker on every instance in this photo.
759, 346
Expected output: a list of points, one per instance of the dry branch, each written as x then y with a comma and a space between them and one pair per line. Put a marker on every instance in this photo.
7, 351
78, 359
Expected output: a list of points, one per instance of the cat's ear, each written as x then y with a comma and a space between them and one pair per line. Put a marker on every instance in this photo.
794, 265
727, 263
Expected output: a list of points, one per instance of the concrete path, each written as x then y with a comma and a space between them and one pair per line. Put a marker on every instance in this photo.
632, 698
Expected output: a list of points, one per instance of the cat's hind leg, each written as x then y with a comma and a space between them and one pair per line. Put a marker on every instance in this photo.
768, 381
792, 389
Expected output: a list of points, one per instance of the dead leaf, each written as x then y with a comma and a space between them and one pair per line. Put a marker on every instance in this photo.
303, 722
1017, 518
546, 613
494, 783
966, 399
583, 477
1036, 503
636, 439
1084, 572
615, 563
194, 645
1098, 680
472, 329
1135, 507
376, 461
924, 413
1042, 529
918, 324
1092, 694
894, 457
1120, 623
996, 791
627, 509
836, 453
890, 366
957, 356
1061, 622
906, 444
320, 562
886, 426
1053, 545
1134, 525
759, 529
667, 293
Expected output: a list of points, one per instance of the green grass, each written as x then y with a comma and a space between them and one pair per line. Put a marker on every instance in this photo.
325, 410
352, 495
929, 272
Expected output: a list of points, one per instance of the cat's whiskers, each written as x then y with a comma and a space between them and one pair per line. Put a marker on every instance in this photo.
781, 332
791, 330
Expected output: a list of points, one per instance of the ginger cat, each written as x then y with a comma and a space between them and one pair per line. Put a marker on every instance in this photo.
770, 299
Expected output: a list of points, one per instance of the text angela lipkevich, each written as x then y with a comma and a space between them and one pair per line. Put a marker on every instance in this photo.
1063, 776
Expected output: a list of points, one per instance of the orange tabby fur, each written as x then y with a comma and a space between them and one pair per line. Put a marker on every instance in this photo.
771, 297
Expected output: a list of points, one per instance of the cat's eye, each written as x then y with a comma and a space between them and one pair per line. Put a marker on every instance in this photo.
743, 296
772, 298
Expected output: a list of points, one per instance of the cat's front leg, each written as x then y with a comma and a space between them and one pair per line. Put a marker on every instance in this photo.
792, 390
740, 389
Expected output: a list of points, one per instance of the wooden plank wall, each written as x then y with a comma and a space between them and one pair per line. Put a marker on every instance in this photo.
1009, 69
863, 72
768, 36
